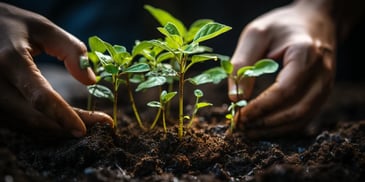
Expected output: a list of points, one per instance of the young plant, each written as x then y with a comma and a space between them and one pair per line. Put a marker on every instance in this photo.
182, 47
116, 67
165, 97
198, 105
261, 67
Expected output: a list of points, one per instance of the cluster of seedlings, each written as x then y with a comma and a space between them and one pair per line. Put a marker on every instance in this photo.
161, 63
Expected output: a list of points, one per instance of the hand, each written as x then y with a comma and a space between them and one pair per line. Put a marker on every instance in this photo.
303, 37
26, 95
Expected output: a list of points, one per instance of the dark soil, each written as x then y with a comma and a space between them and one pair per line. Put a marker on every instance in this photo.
335, 153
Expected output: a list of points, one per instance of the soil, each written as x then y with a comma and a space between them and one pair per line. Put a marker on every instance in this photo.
336, 152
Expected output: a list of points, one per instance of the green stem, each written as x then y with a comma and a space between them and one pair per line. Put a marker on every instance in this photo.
134, 107
115, 109
158, 112
156, 118
181, 105
115, 102
233, 112
164, 120
194, 112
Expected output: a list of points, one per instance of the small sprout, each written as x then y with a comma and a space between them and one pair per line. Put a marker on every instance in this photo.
261, 67
198, 105
165, 97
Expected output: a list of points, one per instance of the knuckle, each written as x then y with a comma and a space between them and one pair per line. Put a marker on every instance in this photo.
256, 29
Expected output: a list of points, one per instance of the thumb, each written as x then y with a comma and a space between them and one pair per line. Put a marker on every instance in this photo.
251, 47
61, 44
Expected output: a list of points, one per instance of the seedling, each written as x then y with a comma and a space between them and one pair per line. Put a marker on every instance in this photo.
198, 105
116, 67
183, 47
161, 105
153, 63
261, 67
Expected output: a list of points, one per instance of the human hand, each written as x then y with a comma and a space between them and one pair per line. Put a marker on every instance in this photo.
303, 37
27, 96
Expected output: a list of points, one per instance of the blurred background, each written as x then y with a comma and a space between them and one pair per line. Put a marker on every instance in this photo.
124, 21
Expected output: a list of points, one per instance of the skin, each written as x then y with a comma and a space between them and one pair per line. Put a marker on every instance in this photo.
27, 98
303, 36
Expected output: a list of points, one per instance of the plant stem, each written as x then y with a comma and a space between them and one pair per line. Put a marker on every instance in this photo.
164, 120
156, 118
115, 109
158, 112
194, 112
134, 107
233, 112
237, 99
181, 105
115, 102
182, 64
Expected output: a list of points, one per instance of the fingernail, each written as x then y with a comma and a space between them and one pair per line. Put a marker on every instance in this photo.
77, 133
84, 62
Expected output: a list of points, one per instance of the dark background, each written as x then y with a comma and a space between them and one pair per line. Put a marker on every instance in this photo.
123, 22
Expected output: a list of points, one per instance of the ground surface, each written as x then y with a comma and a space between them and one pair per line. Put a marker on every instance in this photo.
335, 153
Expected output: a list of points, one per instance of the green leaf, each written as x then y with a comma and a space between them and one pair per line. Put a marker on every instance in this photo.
154, 104
110, 68
209, 31
119, 49
137, 68
229, 116
242, 71
174, 42
166, 97
140, 47
203, 104
104, 59
93, 58
171, 29
198, 93
213, 75
165, 56
164, 70
96, 44
194, 28
163, 17
263, 66
151, 82
100, 91
194, 48
227, 66
203, 57
241, 103
160, 44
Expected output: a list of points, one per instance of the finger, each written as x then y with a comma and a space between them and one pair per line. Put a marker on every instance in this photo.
59, 43
310, 101
289, 84
35, 89
18, 114
240, 90
251, 47
92, 117
308, 104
